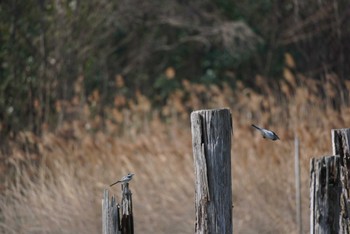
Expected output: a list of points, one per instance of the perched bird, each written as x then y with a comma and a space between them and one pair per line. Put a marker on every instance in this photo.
267, 133
124, 180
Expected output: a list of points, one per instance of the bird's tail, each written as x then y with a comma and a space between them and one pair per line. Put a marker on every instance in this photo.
114, 183
256, 127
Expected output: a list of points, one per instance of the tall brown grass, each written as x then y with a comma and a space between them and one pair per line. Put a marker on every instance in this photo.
54, 183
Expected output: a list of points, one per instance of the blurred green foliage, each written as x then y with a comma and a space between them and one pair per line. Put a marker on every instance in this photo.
46, 45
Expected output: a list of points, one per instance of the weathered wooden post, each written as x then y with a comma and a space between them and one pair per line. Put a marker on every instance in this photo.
111, 213
329, 188
127, 226
341, 147
341, 144
211, 141
325, 194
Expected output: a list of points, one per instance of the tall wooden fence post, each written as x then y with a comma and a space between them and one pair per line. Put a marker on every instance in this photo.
324, 195
127, 226
110, 214
329, 188
111, 223
211, 141
341, 147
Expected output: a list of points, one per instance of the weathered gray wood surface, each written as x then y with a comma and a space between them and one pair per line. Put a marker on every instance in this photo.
127, 225
341, 143
110, 214
324, 195
329, 188
111, 223
211, 141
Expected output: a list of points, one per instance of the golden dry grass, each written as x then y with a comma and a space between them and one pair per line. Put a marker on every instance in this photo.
54, 183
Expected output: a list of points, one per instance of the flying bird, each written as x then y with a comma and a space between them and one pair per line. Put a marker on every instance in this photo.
268, 134
124, 180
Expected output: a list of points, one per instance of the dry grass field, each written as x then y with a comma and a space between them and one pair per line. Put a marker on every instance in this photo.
54, 183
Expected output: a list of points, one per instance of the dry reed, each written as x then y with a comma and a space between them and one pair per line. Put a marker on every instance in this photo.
54, 183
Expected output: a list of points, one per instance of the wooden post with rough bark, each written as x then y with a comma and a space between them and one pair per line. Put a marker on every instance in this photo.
329, 188
111, 223
341, 147
110, 214
325, 194
127, 225
211, 141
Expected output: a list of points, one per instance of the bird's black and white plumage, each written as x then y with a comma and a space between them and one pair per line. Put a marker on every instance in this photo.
267, 133
124, 180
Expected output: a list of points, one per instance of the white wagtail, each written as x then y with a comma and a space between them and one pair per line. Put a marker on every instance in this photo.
124, 180
267, 133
